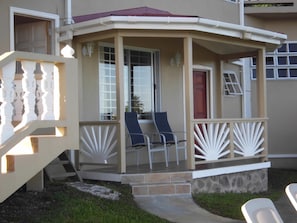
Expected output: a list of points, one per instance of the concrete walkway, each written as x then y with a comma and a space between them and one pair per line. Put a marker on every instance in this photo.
182, 209
179, 209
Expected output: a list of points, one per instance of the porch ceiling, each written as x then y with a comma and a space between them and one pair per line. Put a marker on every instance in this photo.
224, 48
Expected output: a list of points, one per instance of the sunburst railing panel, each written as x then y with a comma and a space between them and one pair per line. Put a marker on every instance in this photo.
211, 141
228, 139
98, 143
248, 138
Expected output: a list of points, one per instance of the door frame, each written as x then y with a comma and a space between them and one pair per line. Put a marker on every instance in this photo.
53, 18
209, 87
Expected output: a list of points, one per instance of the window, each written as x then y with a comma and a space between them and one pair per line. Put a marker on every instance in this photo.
139, 73
280, 64
232, 86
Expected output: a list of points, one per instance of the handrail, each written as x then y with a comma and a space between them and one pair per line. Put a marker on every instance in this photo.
7, 57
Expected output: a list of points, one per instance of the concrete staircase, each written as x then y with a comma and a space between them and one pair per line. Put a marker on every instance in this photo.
152, 184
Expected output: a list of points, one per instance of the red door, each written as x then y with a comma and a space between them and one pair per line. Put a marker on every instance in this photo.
199, 97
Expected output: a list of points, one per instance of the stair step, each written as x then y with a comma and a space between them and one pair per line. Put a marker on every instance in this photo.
155, 178
161, 189
61, 168
63, 175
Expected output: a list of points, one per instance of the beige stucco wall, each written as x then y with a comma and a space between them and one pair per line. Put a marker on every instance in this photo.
281, 100
52, 6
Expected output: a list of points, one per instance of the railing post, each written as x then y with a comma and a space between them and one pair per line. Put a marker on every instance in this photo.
29, 87
7, 97
47, 91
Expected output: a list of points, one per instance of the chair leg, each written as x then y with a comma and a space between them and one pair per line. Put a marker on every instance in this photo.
177, 156
166, 156
137, 158
150, 159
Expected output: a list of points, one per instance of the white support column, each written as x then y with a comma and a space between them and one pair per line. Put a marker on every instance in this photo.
47, 91
6, 97
188, 63
119, 60
29, 87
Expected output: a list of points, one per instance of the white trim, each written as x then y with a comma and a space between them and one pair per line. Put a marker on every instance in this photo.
228, 170
174, 23
42, 15
281, 156
209, 83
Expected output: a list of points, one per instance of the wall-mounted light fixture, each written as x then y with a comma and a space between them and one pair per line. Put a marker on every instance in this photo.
88, 49
175, 60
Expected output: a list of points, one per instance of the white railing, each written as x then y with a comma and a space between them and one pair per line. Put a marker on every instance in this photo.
29, 91
223, 140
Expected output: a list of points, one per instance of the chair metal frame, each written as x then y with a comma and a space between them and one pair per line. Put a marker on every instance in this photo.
163, 127
140, 141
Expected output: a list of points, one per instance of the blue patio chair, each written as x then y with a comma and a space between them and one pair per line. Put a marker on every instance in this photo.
140, 141
171, 139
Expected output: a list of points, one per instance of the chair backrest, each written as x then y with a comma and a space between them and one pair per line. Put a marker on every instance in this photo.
133, 126
291, 191
260, 210
162, 125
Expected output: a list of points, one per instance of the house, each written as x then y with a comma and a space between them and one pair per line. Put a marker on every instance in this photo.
117, 57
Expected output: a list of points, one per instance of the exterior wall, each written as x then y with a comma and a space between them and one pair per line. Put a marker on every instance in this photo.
251, 181
216, 9
54, 6
281, 99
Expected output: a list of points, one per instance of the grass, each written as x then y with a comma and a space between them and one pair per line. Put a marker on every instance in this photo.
61, 203
229, 204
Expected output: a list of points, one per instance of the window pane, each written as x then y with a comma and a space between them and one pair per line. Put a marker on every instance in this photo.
283, 48
293, 47
282, 73
293, 59
254, 73
282, 60
254, 61
269, 73
269, 61
293, 72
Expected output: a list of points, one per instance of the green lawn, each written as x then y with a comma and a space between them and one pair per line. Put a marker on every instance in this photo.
61, 203
229, 204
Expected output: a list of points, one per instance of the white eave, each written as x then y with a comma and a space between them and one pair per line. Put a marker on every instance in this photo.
171, 23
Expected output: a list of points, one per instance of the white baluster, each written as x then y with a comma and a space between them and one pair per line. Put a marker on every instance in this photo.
29, 87
38, 99
18, 103
47, 91
7, 97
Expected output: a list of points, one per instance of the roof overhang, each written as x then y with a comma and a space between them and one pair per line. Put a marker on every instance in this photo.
270, 39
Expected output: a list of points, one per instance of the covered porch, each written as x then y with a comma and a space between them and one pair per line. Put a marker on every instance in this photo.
221, 139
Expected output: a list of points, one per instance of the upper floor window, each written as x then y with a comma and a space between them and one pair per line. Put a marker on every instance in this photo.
139, 82
280, 64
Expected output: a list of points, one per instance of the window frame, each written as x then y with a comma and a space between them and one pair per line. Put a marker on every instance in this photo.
232, 86
155, 80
